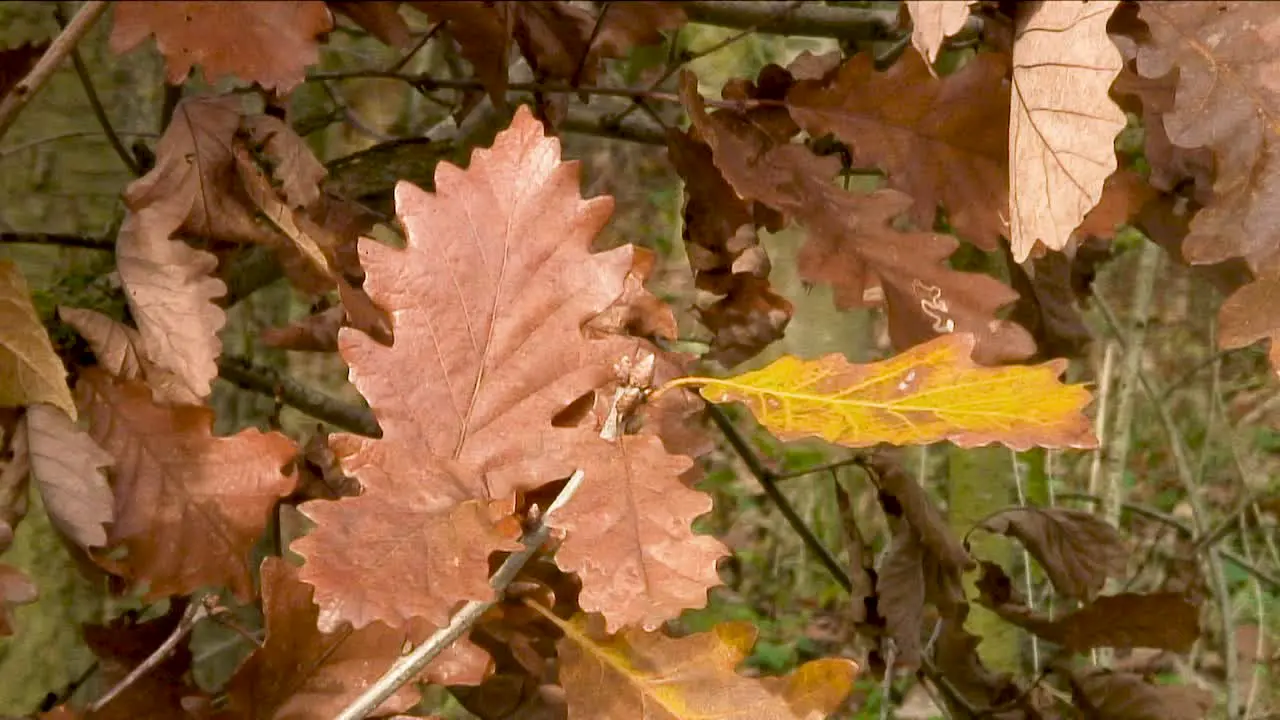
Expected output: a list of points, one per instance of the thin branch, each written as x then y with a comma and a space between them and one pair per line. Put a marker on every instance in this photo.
811, 20
825, 467
99, 112
409, 666
768, 481
22, 147
268, 381
28, 87
194, 613
582, 121
422, 42
59, 239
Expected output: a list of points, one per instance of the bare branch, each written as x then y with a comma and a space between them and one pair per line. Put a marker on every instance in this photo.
27, 88
409, 666
60, 239
810, 19
194, 613
244, 374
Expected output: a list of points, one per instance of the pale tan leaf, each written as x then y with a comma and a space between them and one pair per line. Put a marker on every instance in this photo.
30, 372
296, 168
117, 347
1062, 122
66, 465
934, 20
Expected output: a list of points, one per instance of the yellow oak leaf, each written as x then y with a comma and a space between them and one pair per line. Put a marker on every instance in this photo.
651, 676
931, 392
30, 371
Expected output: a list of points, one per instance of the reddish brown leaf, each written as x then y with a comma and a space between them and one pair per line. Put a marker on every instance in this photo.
302, 672
638, 312
314, 333
16, 62
488, 301
122, 645
1077, 550
1170, 164
189, 506
66, 465
1047, 307
1164, 620
920, 512
293, 164
380, 17
1249, 316
15, 589
1108, 695
745, 321
900, 594
483, 31
925, 132
1123, 195
270, 43
629, 535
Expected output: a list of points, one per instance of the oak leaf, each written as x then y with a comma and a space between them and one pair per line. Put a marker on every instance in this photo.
124, 643
934, 20
629, 535
1165, 620
1077, 550
66, 465
270, 43
925, 132
649, 676
188, 506
120, 351
380, 17
488, 300
300, 672
1110, 695
294, 166
16, 62
1062, 123
929, 393
30, 371
900, 594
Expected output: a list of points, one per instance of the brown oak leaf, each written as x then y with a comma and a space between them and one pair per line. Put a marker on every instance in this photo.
165, 691
301, 672
1063, 124
488, 300
380, 17
119, 350
926, 132
629, 535
900, 594
271, 43
1164, 620
1110, 695
188, 506
294, 166
30, 371
66, 465
15, 589
1077, 550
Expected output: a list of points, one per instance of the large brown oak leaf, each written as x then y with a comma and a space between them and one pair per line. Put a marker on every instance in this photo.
488, 301
188, 506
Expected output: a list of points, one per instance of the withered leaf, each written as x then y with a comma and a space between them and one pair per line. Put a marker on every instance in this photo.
900, 591
16, 62
294, 166
270, 43
934, 20
301, 672
188, 506
67, 466
629, 535
30, 372
317, 332
488, 300
920, 512
1077, 550
649, 676
380, 17
1062, 123
1108, 695
925, 132
117, 347
123, 644
1164, 620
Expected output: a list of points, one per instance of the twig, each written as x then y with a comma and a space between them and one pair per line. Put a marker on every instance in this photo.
194, 613
95, 103
409, 666
268, 381
22, 147
76, 241
1019, 486
422, 42
28, 87
1100, 421
811, 20
768, 481
825, 467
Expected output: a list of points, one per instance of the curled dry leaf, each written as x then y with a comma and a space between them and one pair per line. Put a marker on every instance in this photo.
188, 506
930, 393
302, 672
66, 465
1062, 122
117, 347
489, 299
649, 676
1109, 695
1077, 550
30, 372
934, 20
920, 512
1165, 620
925, 132
270, 43
123, 644
294, 166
